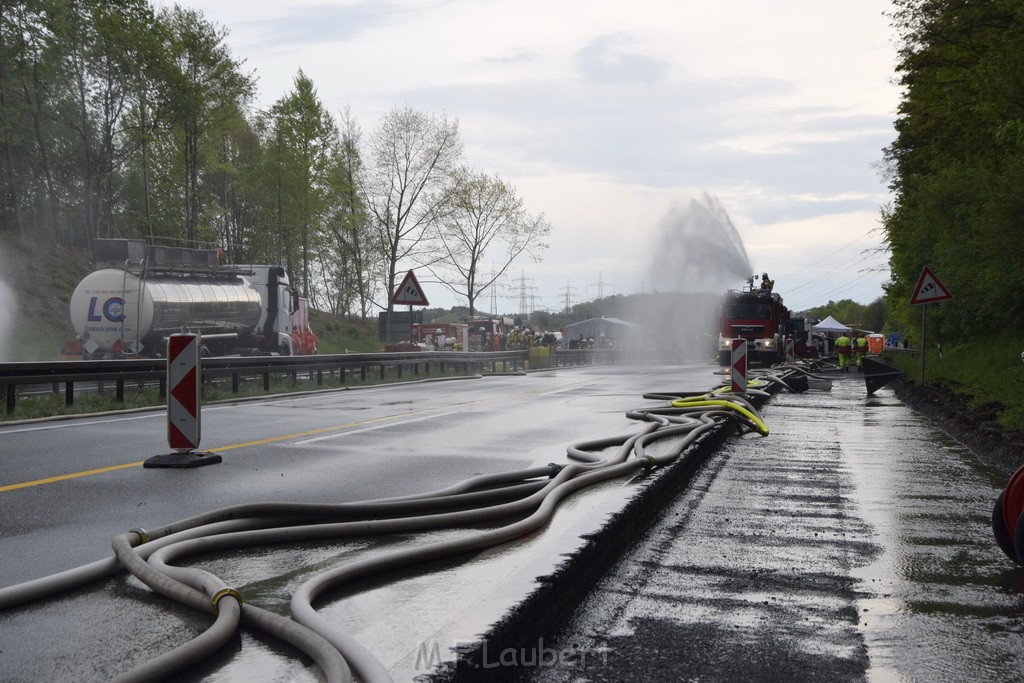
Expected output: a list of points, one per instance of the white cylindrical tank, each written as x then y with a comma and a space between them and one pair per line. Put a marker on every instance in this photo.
114, 311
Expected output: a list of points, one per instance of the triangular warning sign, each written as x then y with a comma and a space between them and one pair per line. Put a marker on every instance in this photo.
409, 292
929, 289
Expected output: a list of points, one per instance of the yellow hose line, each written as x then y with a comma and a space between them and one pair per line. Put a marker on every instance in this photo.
751, 384
762, 428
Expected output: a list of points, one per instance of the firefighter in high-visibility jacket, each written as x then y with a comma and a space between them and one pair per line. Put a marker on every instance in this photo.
860, 347
844, 347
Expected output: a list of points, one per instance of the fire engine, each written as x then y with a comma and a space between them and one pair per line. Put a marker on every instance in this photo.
757, 315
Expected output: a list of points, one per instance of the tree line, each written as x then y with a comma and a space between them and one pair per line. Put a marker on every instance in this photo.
120, 120
956, 167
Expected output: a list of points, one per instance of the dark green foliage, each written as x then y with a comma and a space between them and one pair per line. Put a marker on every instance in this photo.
871, 317
957, 165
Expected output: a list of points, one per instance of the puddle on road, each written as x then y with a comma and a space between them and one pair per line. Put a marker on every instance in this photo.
934, 592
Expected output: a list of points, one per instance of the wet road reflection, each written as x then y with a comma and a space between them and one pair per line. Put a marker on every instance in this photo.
853, 543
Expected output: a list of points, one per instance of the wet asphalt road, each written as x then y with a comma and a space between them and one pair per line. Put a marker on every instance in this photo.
67, 488
853, 543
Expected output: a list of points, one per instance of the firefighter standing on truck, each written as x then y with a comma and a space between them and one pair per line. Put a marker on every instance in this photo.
860, 347
843, 347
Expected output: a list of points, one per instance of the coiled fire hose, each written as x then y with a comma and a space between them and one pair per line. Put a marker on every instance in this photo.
528, 498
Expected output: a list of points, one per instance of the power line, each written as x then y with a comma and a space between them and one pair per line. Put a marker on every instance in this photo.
600, 284
859, 286
818, 261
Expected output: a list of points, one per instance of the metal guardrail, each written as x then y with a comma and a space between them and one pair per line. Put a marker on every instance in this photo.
69, 373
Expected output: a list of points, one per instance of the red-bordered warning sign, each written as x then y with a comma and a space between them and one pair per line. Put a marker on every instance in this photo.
409, 292
929, 289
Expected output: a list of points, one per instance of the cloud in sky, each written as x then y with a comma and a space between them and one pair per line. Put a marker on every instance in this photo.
608, 116
603, 60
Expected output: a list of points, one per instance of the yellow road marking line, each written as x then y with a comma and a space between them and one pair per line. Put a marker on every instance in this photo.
219, 449
64, 477
261, 442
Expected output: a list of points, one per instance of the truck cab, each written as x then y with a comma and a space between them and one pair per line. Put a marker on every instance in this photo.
757, 316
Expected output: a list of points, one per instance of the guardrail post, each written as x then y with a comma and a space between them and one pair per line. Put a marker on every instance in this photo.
382, 371
398, 367
120, 391
11, 396
266, 381
319, 377
235, 383
69, 393
362, 372
163, 387
341, 374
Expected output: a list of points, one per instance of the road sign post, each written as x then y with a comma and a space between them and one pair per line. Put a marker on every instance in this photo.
929, 290
411, 294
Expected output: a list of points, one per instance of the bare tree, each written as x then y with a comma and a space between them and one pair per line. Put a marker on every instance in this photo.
486, 218
408, 183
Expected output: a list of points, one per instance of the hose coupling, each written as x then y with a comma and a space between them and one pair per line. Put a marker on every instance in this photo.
143, 535
224, 592
649, 462
555, 468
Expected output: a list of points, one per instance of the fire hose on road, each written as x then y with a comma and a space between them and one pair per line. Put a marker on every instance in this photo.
525, 500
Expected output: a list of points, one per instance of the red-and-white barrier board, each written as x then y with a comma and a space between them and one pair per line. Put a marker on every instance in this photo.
739, 365
183, 403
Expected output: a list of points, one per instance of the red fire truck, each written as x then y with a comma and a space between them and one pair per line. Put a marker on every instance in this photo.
759, 317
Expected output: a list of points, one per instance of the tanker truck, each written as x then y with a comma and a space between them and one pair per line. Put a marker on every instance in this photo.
139, 294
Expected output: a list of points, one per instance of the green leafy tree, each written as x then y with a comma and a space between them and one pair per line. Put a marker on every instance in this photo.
957, 164
304, 136
208, 94
349, 260
24, 41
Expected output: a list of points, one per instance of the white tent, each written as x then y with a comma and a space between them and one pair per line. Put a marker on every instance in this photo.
830, 324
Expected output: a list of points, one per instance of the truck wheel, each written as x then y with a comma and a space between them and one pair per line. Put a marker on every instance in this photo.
285, 350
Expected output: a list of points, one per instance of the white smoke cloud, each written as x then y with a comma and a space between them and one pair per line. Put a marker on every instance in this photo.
697, 249
697, 254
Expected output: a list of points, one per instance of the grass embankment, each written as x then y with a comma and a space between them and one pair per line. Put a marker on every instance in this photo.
990, 373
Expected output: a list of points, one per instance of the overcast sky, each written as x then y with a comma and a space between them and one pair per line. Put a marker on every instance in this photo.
645, 131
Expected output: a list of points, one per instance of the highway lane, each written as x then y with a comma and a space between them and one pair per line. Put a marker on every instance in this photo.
326, 447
